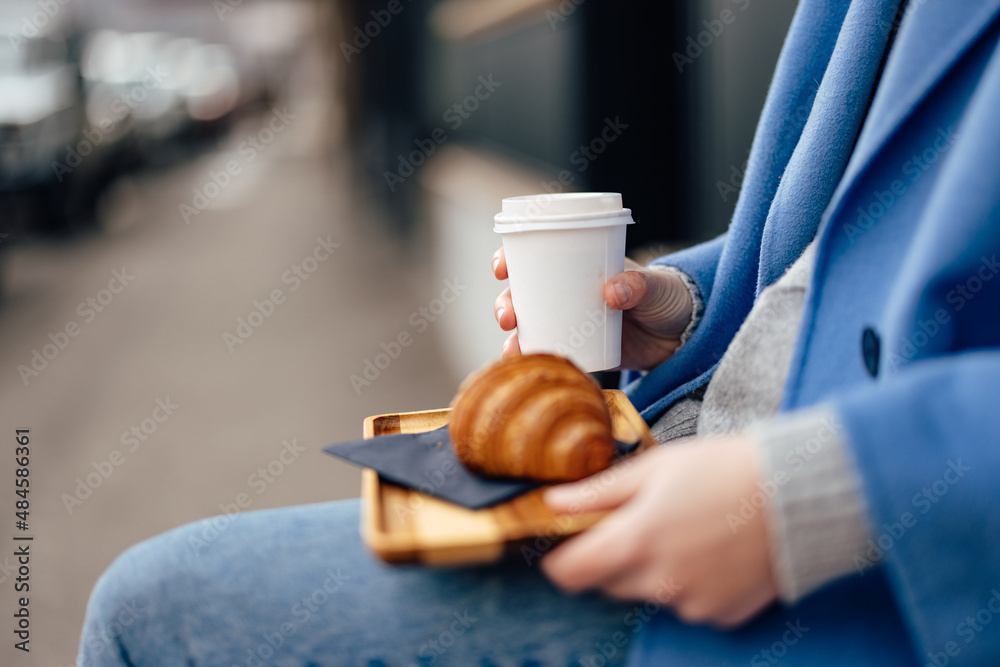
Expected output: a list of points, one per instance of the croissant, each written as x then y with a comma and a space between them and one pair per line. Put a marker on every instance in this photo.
536, 416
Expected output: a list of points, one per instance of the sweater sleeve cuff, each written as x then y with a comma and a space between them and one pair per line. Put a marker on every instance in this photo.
817, 513
697, 302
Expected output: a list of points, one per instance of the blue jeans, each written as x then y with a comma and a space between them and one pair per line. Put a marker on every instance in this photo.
295, 586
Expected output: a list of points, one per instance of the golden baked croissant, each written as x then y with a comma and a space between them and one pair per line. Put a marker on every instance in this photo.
536, 416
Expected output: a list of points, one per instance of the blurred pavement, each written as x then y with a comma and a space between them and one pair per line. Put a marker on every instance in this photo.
160, 341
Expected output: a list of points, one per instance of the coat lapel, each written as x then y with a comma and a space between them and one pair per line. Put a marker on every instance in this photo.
933, 36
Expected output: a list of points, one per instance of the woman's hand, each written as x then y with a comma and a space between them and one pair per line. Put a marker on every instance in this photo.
657, 308
669, 537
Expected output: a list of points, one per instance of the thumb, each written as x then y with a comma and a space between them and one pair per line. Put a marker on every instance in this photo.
654, 292
657, 299
604, 491
628, 289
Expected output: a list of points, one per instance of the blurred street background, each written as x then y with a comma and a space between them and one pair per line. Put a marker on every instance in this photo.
221, 219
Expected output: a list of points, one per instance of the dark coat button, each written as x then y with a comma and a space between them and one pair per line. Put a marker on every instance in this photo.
869, 350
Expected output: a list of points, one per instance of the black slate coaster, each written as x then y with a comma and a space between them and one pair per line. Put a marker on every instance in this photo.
427, 463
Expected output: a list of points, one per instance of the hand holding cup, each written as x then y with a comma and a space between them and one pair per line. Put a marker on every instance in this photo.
656, 303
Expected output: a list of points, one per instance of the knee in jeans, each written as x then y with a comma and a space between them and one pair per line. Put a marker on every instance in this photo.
120, 600
114, 611
124, 597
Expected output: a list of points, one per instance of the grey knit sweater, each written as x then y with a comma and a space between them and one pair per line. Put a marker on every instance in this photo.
816, 511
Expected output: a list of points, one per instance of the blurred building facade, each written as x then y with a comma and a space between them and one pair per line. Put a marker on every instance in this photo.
455, 104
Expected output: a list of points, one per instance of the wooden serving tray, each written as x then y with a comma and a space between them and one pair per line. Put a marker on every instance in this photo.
405, 526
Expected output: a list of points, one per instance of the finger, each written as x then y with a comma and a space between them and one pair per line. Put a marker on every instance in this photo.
628, 289
503, 310
643, 583
500, 265
511, 347
651, 294
600, 554
744, 608
605, 490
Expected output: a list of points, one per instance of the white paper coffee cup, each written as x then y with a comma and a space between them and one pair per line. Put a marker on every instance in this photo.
561, 249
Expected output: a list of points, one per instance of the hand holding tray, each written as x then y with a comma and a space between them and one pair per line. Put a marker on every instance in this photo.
402, 525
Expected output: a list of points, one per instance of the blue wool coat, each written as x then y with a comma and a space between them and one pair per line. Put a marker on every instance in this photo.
901, 327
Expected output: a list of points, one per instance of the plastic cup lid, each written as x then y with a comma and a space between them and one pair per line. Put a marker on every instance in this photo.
562, 211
